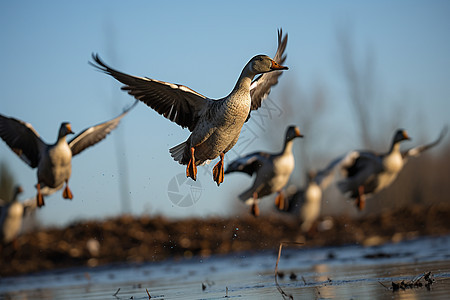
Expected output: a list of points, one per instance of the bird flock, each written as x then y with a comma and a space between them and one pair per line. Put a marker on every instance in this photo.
215, 126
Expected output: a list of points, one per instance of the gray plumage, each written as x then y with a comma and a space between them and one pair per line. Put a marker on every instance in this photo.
272, 170
215, 124
53, 161
367, 172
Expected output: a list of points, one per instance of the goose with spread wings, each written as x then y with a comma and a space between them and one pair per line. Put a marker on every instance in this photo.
53, 161
272, 172
215, 124
367, 172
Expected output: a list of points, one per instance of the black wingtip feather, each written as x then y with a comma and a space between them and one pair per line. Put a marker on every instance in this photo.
99, 64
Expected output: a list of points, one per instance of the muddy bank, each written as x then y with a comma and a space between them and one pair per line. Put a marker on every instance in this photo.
94, 243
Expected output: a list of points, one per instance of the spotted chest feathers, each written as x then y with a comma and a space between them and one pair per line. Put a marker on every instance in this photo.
222, 128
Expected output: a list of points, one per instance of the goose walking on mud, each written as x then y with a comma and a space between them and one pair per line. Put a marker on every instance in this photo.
215, 124
53, 161
272, 172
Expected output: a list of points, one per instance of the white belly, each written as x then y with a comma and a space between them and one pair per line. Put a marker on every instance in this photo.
392, 165
56, 167
13, 222
384, 180
283, 167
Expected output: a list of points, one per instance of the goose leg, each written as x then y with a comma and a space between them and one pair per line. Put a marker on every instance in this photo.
191, 169
280, 201
218, 170
67, 193
255, 208
39, 198
361, 199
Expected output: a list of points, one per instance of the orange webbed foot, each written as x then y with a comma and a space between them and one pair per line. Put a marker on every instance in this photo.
218, 171
67, 193
39, 198
361, 199
280, 201
191, 169
254, 210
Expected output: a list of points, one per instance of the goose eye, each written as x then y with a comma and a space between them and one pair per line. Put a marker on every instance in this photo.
260, 59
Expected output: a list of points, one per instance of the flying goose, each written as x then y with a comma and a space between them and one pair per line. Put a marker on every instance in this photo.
366, 172
215, 124
54, 161
272, 172
307, 201
11, 214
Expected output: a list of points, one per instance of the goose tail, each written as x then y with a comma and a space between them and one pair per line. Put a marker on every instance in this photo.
178, 152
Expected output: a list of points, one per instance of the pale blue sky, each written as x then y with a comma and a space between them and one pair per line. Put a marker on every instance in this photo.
45, 79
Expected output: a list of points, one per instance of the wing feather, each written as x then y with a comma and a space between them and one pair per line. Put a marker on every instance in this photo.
94, 134
248, 164
163, 97
416, 151
22, 138
260, 87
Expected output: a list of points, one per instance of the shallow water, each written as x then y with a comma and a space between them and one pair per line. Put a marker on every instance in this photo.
348, 272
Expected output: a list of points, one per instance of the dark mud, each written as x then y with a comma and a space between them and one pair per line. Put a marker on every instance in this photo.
147, 239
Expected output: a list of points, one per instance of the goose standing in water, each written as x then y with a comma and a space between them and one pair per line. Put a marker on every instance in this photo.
215, 124
54, 161
366, 172
11, 215
272, 172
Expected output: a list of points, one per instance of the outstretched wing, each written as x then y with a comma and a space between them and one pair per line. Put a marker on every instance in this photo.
248, 164
92, 135
177, 103
261, 86
22, 139
416, 151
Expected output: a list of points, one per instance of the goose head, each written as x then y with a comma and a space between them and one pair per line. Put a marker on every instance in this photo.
400, 135
292, 132
263, 64
64, 130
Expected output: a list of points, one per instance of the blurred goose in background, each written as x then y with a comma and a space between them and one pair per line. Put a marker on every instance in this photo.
307, 202
54, 161
11, 215
272, 172
366, 172
215, 124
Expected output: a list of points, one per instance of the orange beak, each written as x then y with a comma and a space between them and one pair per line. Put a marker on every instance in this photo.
297, 133
69, 128
406, 136
276, 66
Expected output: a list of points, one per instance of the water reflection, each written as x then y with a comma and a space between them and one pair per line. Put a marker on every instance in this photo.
350, 272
